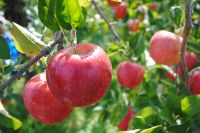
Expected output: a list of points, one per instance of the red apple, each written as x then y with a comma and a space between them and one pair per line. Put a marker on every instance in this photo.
194, 82
170, 75
123, 125
154, 6
142, 17
120, 10
1, 31
80, 78
165, 48
133, 25
40, 102
130, 74
191, 60
113, 3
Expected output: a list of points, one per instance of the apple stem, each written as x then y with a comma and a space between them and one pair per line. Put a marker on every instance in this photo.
110, 25
186, 32
74, 40
44, 52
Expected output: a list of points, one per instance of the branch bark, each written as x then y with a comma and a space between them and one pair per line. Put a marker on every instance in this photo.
115, 34
186, 32
45, 51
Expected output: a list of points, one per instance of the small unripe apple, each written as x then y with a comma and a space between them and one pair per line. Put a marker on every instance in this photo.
120, 10
194, 82
40, 102
133, 25
165, 48
123, 125
154, 6
113, 3
80, 78
129, 74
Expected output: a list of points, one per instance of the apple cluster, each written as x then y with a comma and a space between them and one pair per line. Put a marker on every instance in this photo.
121, 11
74, 77
80, 76
165, 48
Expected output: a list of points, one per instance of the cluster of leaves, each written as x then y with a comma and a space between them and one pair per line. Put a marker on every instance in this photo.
161, 105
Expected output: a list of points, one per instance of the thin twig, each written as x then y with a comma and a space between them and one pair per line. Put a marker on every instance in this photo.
45, 51
61, 42
118, 39
186, 32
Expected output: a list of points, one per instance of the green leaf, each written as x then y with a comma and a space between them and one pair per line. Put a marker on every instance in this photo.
176, 14
4, 49
56, 14
85, 3
7, 120
154, 129
75, 12
46, 11
25, 42
146, 112
137, 43
183, 128
191, 105
116, 116
130, 131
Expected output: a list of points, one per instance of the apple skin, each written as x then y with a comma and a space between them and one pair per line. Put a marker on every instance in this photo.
80, 79
191, 61
133, 25
40, 102
1, 31
170, 75
154, 6
123, 125
165, 48
129, 74
113, 3
120, 10
194, 82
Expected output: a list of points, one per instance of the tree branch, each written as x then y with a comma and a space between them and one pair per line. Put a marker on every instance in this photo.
115, 34
45, 51
187, 27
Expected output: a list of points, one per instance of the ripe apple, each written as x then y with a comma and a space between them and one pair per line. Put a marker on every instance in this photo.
120, 10
142, 17
133, 25
40, 102
194, 82
113, 3
170, 75
81, 78
1, 31
130, 74
191, 60
165, 48
154, 6
123, 125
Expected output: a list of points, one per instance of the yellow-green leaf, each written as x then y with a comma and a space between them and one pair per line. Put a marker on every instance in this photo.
85, 3
7, 120
25, 42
